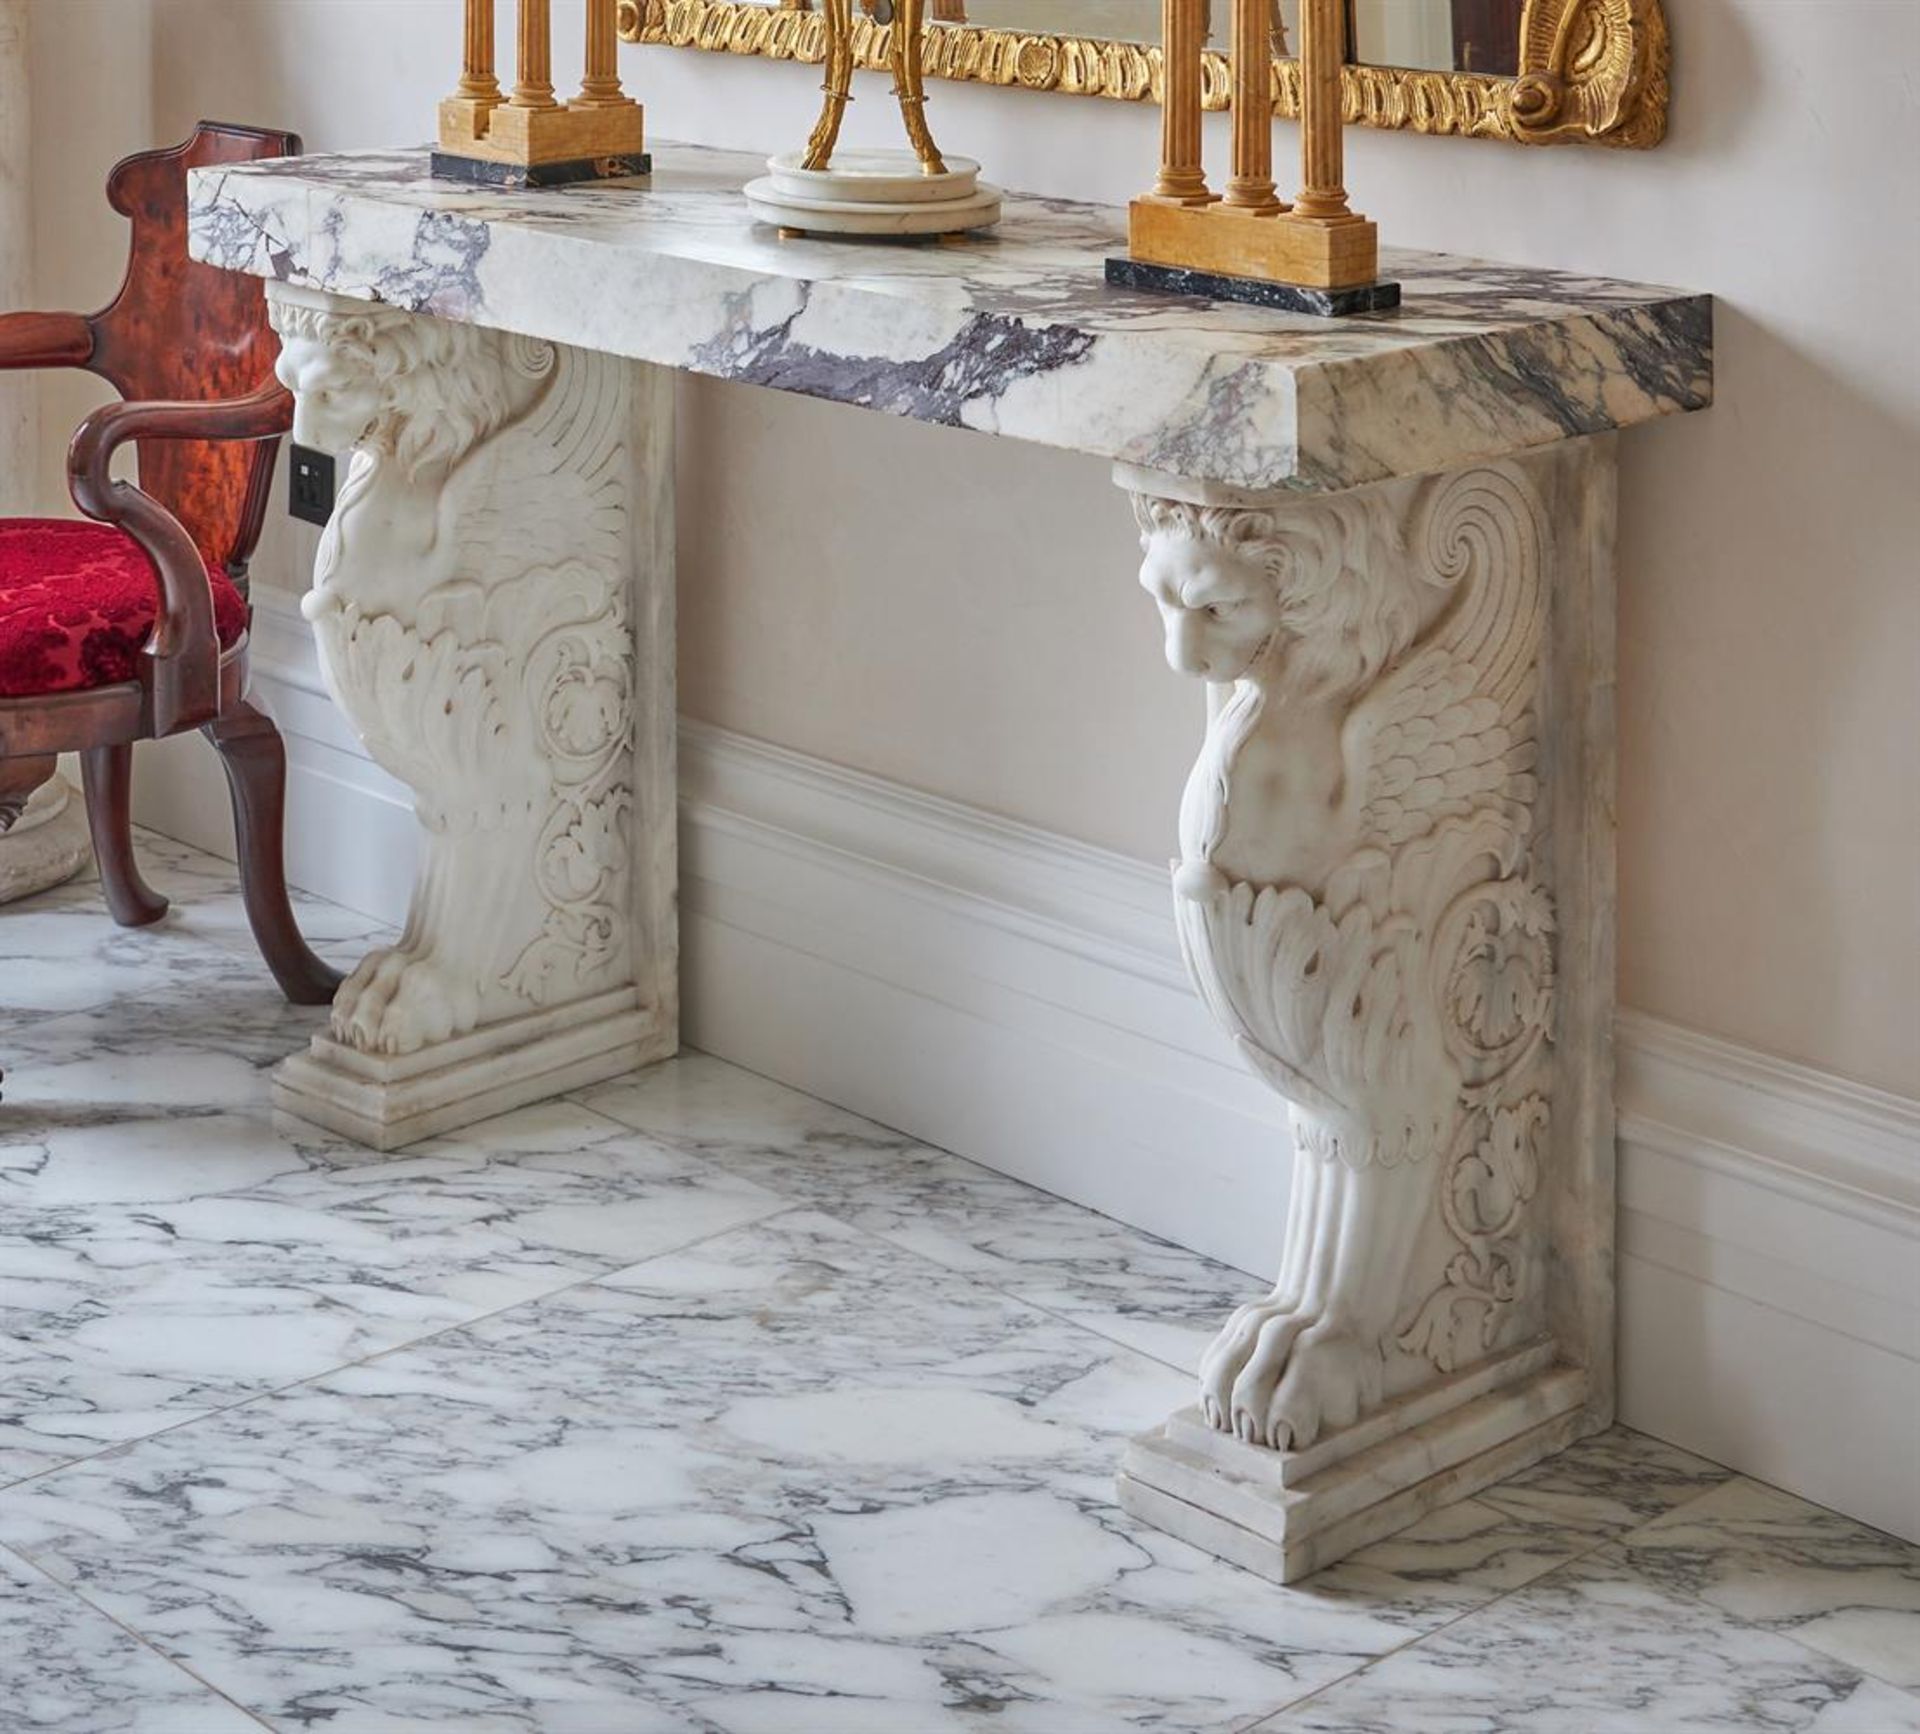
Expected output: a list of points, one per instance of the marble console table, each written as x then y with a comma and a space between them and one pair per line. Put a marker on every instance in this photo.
1384, 543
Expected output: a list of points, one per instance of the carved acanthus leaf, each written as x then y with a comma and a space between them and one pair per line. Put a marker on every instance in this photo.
1484, 1196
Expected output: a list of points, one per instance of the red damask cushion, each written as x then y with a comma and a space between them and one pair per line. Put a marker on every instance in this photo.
78, 600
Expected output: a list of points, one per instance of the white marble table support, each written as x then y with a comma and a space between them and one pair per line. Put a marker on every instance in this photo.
1395, 892
493, 605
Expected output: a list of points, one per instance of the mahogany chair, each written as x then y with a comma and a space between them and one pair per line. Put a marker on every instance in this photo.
131, 623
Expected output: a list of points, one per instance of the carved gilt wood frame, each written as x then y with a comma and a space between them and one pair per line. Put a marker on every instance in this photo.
1591, 71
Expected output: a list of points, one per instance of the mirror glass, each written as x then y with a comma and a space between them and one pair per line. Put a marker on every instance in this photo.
1427, 35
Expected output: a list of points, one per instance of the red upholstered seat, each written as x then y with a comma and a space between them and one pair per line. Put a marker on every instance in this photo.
78, 600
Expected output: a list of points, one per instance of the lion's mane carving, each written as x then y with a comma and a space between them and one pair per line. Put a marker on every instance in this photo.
431, 390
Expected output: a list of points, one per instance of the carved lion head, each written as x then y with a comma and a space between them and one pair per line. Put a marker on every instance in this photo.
418, 390
1207, 572
1321, 583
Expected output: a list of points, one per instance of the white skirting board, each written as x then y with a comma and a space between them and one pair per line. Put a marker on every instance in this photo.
1018, 998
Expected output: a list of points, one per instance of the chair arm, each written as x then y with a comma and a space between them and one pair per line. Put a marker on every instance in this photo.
44, 340
263, 414
185, 678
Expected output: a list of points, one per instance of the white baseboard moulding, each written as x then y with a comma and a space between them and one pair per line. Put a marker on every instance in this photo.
1018, 998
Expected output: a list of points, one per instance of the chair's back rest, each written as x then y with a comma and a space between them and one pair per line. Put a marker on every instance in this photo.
181, 330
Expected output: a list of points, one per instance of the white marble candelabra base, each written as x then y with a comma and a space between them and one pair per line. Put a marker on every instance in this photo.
46, 846
873, 193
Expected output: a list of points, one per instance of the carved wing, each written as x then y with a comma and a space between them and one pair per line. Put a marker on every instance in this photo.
1453, 732
545, 569
550, 491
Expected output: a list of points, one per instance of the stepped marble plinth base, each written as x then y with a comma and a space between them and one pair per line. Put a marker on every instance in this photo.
1285, 1514
46, 846
388, 1103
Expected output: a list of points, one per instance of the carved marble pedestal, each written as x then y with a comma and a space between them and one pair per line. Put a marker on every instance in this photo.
1395, 893
493, 605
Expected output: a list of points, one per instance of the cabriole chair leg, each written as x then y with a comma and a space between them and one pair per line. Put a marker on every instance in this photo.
107, 773
256, 765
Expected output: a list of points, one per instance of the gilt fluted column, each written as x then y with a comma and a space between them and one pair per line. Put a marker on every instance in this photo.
1183, 31
478, 82
601, 86
1323, 190
533, 78
1251, 186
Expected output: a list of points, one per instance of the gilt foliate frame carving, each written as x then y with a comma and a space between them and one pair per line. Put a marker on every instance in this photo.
1591, 71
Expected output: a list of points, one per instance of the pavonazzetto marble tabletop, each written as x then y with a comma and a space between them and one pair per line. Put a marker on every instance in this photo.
1014, 332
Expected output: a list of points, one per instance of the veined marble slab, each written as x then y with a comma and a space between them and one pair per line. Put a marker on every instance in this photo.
1014, 332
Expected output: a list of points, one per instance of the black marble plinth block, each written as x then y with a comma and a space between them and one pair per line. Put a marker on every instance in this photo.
479, 171
1284, 297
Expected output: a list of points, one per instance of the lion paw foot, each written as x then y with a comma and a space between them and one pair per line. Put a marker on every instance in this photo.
1245, 1364
1333, 1377
398, 1002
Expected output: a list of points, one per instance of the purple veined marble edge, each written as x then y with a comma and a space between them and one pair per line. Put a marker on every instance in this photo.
1015, 332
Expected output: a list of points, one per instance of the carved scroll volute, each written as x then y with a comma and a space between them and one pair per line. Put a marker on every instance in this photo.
1592, 70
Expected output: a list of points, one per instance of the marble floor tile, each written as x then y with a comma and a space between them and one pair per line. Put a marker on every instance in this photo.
178, 871
1772, 1560
791, 1478
65, 1668
189, 878
151, 1270
70, 956
700, 1103
1605, 1486
60, 951
1597, 1649
1124, 1283
696, 1404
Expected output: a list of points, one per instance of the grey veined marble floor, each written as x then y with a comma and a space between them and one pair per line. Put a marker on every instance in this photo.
694, 1404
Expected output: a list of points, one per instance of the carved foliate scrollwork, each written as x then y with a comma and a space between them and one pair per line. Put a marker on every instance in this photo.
471, 608
1591, 71
1359, 903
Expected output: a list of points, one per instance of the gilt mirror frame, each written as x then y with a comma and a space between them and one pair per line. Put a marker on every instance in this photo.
1590, 71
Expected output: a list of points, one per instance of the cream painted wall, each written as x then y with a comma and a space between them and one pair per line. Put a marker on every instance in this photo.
92, 103
19, 392
961, 616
